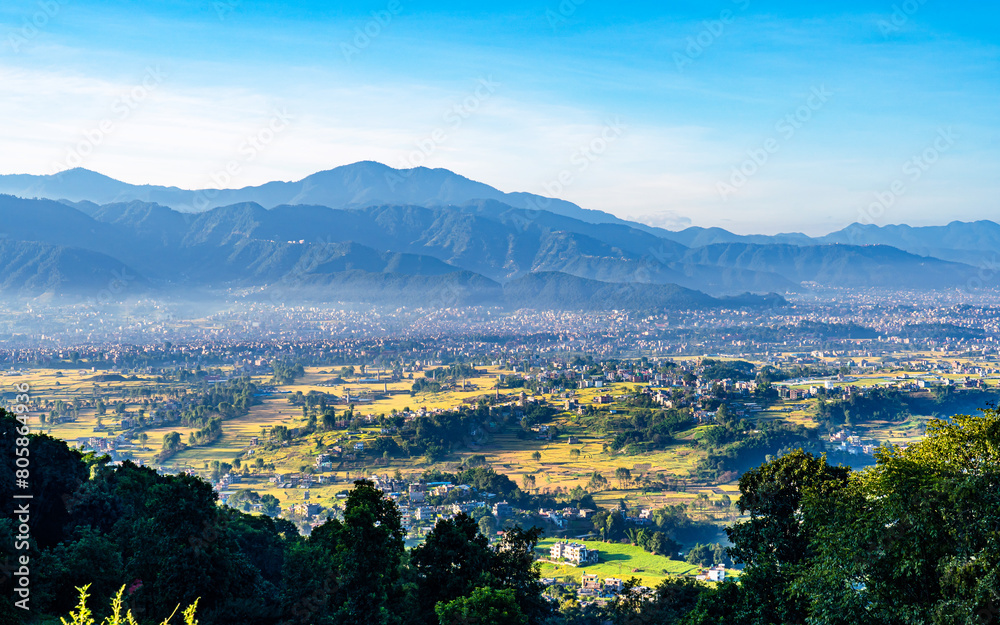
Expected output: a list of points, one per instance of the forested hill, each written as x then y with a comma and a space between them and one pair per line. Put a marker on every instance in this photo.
910, 540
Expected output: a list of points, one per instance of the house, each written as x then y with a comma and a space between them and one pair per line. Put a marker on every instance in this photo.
715, 574
417, 492
613, 585
502, 510
575, 553
555, 519
425, 513
590, 584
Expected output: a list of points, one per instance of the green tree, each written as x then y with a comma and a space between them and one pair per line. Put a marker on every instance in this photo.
670, 602
454, 559
369, 552
485, 606
916, 533
776, 541
528, 481
624, 477
488, 525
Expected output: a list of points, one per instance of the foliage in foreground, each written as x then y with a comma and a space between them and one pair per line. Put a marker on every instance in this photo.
83, 616
912, 540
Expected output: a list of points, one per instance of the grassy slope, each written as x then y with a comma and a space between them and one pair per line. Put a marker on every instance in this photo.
621, 561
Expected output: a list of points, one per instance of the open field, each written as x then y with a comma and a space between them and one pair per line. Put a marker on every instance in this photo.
620, 561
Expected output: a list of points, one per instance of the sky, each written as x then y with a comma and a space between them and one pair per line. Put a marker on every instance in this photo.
751, 116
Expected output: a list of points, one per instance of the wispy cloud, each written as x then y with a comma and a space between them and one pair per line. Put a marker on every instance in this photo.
225, 79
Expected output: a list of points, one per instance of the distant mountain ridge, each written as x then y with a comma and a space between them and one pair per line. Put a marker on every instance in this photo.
368, 183
383, 234
358, 185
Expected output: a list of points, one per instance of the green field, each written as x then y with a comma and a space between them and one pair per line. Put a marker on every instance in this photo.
621, 561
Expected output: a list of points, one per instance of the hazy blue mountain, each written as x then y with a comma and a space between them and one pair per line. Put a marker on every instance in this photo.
351, 186
837, 265
366, 184
696, 236
495, 240
972, 243
483, 250
558, 290
32, 269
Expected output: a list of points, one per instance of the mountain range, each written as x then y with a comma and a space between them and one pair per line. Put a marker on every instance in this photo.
367, 232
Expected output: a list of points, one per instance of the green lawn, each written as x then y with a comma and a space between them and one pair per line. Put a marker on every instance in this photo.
621, 561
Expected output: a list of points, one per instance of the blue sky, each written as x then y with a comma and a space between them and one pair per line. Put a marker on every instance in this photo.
752, 116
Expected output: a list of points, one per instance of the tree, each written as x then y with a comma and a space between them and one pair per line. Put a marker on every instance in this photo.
777, 538
369, 551
515, 568
528, 481
707, 555
484, 606
172, 536
597, 481
918, 530
624, 477
536, 456
614, 526
670, 602
488, 525
171, 440
453, 560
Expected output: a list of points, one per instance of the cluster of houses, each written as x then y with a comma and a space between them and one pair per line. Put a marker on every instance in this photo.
560, 518
850, 442
591, 585
102, 445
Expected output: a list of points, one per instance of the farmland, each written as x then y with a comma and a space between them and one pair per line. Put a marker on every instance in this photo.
556, 464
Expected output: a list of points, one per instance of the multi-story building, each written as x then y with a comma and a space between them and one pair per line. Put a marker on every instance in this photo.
574, 553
